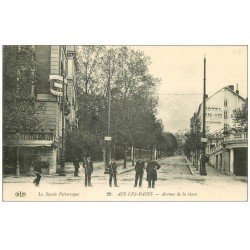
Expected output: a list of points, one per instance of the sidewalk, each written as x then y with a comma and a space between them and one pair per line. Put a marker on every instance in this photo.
210, 170
69, 168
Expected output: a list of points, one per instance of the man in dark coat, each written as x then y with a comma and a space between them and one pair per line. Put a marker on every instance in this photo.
38, 171
88, 170
112, 173
77, 166
151, 169
139, 169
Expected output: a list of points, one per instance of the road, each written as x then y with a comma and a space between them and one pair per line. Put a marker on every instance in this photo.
175, 183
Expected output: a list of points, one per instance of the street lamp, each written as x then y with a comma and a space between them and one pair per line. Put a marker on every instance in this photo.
17, 158
108, 138
203, 158
62, 162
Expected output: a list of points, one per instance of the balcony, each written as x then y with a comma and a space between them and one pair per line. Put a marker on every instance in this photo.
240, 136
32, 139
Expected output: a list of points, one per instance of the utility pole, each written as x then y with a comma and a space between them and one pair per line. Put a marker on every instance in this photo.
62, 166
203, 157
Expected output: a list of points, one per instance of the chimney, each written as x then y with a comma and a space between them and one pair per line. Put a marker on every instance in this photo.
237, 91
231, 87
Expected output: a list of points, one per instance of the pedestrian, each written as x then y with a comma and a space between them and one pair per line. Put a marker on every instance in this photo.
151, 169
77, 166
112, 173
37, 170
139, 170
88, 170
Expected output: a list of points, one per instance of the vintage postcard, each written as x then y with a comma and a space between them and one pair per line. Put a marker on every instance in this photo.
124, 123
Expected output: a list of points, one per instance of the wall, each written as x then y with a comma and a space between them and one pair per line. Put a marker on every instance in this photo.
50, 114
49, 154
43, 61
54, 60
215, 110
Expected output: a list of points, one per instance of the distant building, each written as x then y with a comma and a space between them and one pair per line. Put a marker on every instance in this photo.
57, 66
219, 109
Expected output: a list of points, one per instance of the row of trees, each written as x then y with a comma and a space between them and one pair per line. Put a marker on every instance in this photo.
123, 72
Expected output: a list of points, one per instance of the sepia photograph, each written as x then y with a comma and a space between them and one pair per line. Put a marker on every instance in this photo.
124, 123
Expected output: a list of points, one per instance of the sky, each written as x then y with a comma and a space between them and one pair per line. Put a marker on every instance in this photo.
181, 71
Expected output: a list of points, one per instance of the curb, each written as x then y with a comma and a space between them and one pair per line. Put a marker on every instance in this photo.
188, 164
190, 169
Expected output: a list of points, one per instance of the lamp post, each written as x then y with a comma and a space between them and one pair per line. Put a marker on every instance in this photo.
17, 158
108, 151
109, 114
62, 162
107, 138
203, 161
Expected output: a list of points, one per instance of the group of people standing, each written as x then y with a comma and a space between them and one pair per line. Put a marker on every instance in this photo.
88, 170
151, 170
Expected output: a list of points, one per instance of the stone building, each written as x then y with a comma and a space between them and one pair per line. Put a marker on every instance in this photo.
57, 67
219, 109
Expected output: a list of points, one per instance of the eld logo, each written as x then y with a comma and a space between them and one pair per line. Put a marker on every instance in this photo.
20, 194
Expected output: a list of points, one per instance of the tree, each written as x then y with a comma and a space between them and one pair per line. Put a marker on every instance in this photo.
133, 100
20, 111
193, 137
180, 137
168, 143
240, 118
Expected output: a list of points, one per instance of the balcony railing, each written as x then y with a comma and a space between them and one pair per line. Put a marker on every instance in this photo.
239, 137
29, 136
30, 139
236, 137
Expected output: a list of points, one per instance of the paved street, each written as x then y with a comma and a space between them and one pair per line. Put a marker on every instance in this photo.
175, 183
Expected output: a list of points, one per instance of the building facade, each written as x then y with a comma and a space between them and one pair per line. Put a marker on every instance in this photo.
229, 154
56, 75
219, 109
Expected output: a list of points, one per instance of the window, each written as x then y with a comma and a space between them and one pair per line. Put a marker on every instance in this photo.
225, 103
225, 114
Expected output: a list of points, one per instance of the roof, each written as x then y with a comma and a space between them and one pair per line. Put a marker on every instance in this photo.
226, 87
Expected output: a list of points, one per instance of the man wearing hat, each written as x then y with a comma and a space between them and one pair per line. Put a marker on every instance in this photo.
88, 170
77, 166
112, 173
151, 170
139, 169
37, 170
